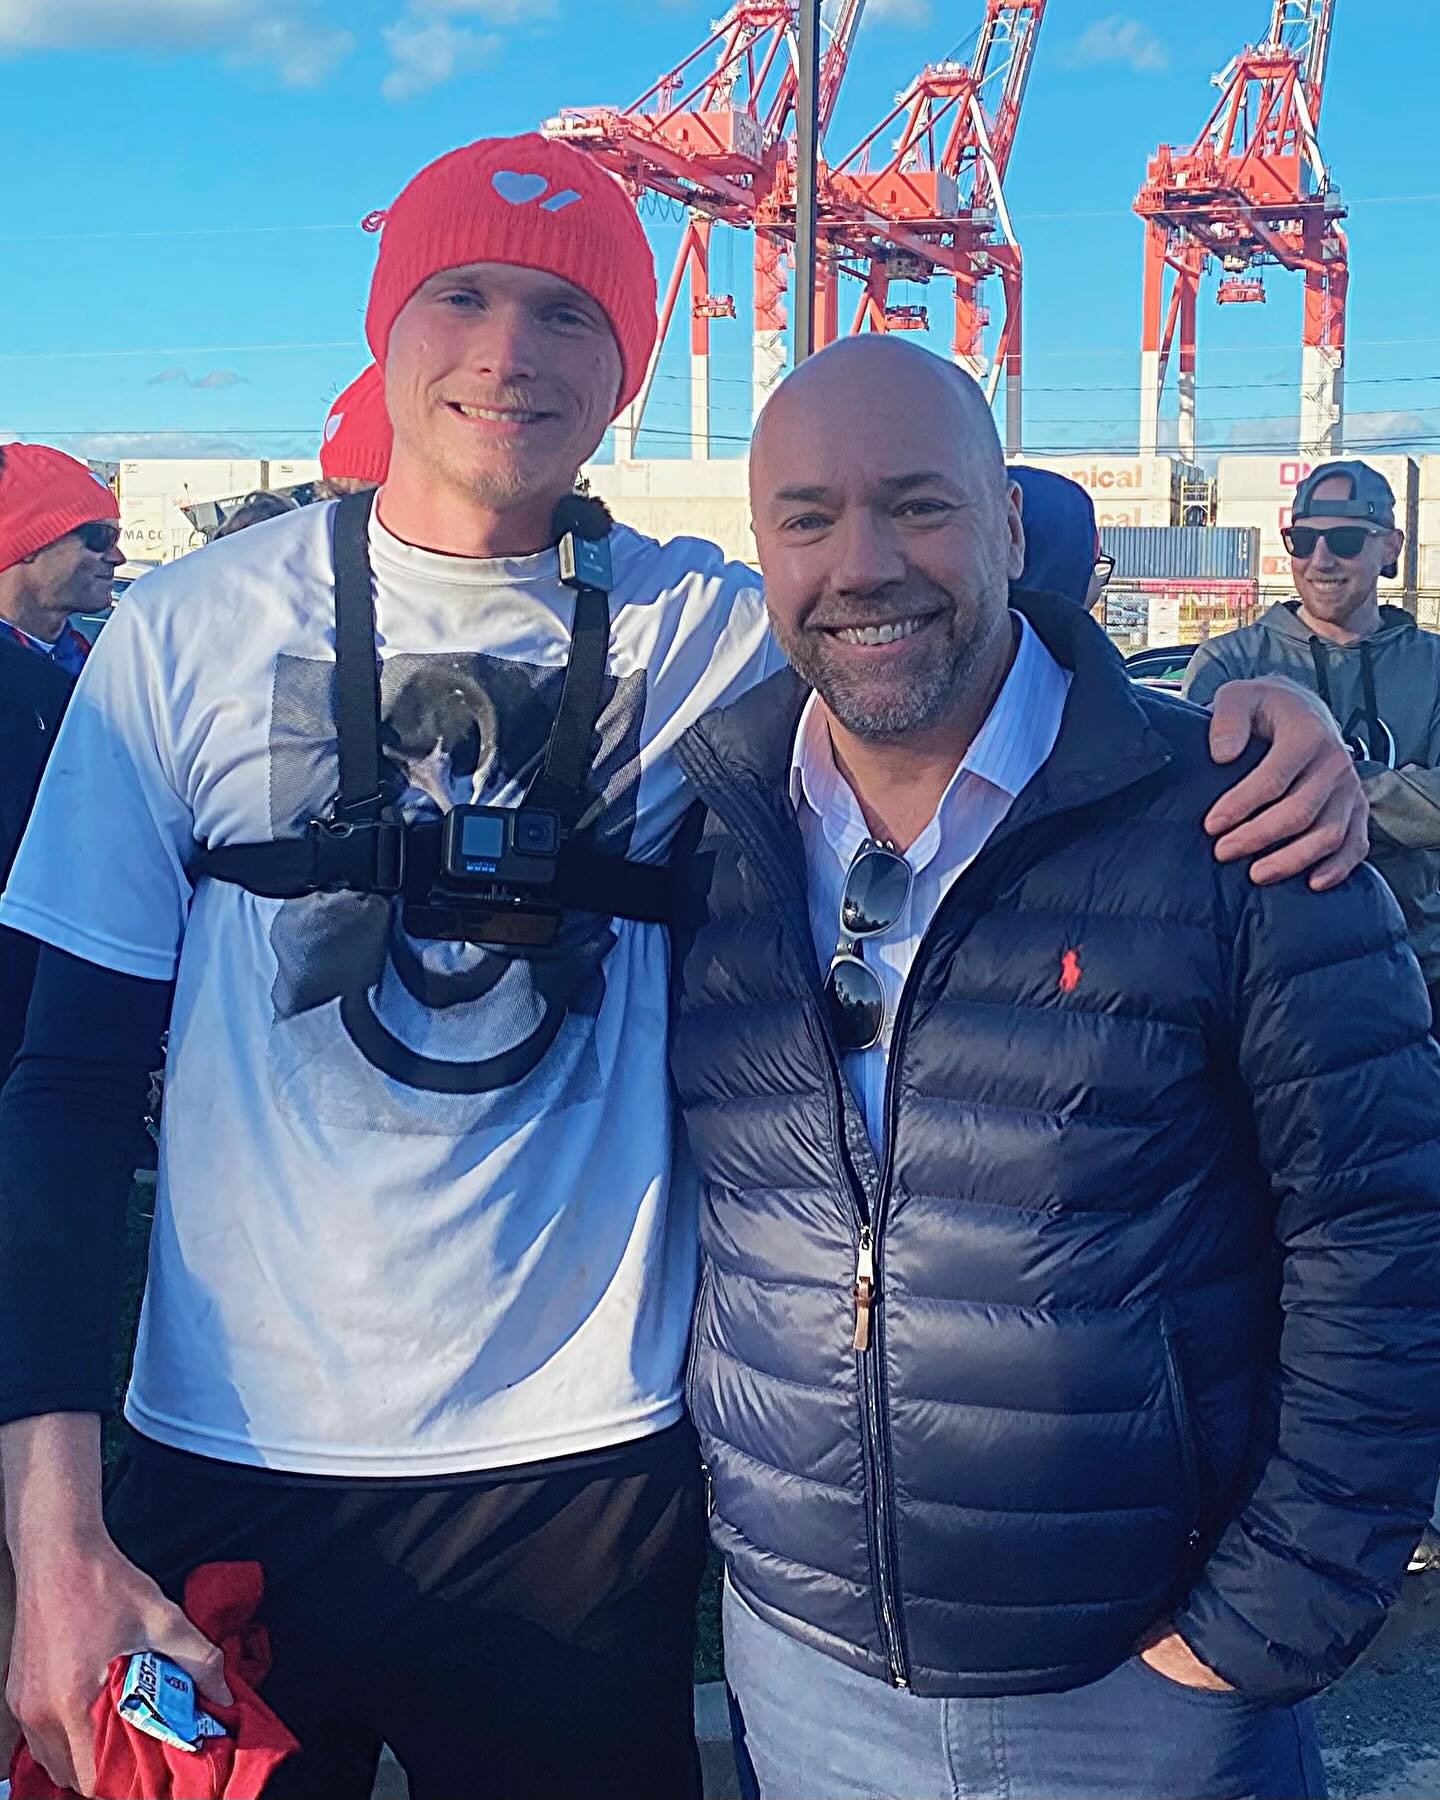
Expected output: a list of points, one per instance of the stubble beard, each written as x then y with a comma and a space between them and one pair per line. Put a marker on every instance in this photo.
900, 707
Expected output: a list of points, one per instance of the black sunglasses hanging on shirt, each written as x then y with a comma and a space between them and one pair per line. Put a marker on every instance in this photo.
877, 889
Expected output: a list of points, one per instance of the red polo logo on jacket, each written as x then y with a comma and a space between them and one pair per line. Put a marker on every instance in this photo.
1070, 971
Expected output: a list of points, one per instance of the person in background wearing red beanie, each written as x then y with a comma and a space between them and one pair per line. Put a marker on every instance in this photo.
424, 1256
355, 448
59, 533
59, 548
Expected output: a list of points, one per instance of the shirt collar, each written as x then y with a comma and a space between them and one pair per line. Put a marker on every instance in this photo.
29, 638
1018, 734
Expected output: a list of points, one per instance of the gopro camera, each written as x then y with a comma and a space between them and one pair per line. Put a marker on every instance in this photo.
501, 846
585, 562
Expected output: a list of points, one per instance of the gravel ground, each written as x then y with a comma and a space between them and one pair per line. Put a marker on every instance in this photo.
1381, 1726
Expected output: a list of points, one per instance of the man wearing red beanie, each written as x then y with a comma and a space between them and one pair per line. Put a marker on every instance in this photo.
424, 1247
59, 547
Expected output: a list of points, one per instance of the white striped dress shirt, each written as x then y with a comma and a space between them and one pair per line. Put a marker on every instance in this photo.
1018, 735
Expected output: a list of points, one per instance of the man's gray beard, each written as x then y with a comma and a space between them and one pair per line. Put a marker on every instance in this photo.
917, 708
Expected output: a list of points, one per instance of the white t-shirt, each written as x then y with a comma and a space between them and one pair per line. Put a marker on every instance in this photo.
415, 1213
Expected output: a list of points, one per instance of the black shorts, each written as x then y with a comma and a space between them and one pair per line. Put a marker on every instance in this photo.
522, 1638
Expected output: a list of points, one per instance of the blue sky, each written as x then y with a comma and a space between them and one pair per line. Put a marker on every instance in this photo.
183, 271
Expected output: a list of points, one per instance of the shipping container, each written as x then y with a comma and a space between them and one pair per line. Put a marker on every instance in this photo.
670, 478
1183, 552
1429, 483
294, 473
154, 530
189, 478
1127, 491
1274, 477
1427, 523
1428, 574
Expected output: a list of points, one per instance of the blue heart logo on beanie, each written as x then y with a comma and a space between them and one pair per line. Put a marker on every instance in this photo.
517, 189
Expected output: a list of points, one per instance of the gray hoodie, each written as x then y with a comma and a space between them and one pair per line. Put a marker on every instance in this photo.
1385, 693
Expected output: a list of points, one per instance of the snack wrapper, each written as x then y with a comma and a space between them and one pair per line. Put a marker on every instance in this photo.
158, 1698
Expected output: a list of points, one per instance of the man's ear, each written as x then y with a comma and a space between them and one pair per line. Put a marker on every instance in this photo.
1392, 567
1015, 522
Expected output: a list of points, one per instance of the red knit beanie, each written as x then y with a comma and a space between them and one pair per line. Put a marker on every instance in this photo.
526, 201
43, 494
357, 440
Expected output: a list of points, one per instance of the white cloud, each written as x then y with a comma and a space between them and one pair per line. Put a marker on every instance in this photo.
1117, 38
293, 39
426, 53
430, 45
492, 12
1381, 428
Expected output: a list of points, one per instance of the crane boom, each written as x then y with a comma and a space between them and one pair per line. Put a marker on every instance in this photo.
1253, 191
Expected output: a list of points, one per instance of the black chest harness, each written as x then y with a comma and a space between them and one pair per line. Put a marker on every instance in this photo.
480, 874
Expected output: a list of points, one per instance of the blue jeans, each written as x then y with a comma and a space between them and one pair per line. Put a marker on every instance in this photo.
809, 1728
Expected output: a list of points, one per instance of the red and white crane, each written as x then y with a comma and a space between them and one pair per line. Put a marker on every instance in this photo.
936, 208
711, 133
1252, 191
716, 134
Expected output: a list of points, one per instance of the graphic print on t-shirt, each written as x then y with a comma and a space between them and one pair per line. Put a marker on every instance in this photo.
459, 1034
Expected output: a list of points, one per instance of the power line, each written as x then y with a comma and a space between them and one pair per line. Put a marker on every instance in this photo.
182, 350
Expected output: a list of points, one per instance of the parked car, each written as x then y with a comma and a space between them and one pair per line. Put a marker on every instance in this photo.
1163, 668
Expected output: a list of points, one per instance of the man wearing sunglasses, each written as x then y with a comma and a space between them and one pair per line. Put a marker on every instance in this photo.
1068, 1336
59, 548
1372, 666
59, 545
59, 532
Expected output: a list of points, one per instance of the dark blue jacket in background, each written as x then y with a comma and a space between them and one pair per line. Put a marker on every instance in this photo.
1158, 1250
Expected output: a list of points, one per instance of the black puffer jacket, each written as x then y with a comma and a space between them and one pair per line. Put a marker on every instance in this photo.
1079, 1412
33, 698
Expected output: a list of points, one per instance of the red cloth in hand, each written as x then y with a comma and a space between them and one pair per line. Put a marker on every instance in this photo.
221, 1600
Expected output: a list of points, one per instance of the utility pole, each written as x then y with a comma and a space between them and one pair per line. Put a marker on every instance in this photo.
807, 150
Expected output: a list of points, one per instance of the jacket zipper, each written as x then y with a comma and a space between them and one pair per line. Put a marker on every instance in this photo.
864, 1289
1185, 1431
868, 1345
873, 1432
870, 1322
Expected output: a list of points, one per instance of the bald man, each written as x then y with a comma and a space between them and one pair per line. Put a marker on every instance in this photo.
1067, 1346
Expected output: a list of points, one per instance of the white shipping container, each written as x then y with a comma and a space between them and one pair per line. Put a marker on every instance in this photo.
725, 522
155, 530
1429, 482
1428, 580
294, 473
1427, 522
189, 478
1272, 477
1119, 481
670, 478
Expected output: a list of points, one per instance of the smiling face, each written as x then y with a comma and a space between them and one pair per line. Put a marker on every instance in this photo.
72, 575
887, 532
500, 382
1342, 591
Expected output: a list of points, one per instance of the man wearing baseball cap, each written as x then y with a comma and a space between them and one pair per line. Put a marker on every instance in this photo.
423, 1258
1372, 666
